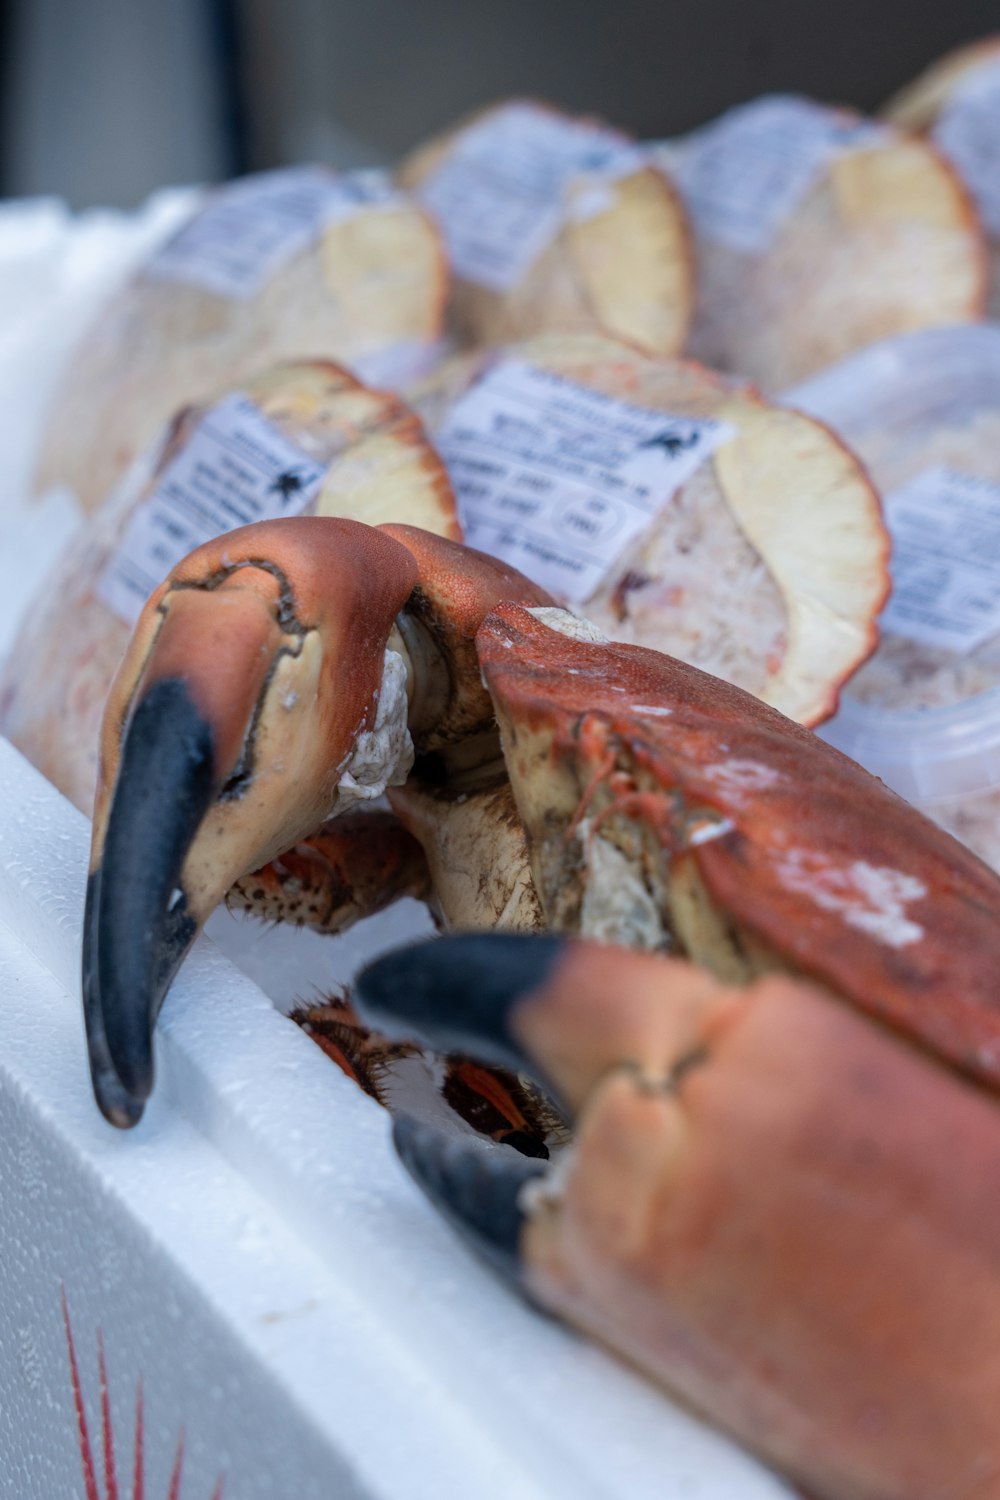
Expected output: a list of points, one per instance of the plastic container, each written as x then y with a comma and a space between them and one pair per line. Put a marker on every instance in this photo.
923, 412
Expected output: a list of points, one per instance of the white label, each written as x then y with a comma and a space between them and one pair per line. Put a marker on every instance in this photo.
558, 479
499, 196
250, 228
945, 529
969, 133
744, 174
235, 468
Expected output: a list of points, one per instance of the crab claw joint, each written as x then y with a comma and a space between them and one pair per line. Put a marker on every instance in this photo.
231, 731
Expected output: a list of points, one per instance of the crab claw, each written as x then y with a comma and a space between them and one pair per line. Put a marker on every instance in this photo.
251, 674
760, 1206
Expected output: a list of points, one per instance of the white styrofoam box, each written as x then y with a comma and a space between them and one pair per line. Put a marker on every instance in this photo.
252, 1253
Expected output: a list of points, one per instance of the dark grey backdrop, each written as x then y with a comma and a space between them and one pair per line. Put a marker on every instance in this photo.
102, 100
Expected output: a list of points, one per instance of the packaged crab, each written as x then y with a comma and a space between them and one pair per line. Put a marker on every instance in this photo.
266, 268
924, 713
818, 232
956, 103
671, 506
304, 437
556, 222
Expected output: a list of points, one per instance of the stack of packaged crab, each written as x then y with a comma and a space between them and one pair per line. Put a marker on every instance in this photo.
424, 559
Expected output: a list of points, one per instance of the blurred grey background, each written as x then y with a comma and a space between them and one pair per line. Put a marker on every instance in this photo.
101, 101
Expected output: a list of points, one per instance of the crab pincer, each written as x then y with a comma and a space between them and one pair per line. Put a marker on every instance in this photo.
282, 675
777, 1208
238, 702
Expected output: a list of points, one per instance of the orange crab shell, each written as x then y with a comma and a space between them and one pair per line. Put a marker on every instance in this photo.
311, 590
763, 1210
810, 863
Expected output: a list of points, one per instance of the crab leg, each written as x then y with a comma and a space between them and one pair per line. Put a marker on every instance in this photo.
760, 1208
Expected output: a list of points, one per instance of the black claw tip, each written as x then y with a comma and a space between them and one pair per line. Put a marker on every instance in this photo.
456, 993
477, 1188
137, 927
527, 1143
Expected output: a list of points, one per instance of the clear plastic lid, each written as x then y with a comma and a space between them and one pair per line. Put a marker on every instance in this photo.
923, 412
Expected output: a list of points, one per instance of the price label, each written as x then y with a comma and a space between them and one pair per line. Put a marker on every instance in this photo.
558, 479
236, 468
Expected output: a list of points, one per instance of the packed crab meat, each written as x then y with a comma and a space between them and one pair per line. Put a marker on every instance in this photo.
556, 223
817, 233
955, 103
360, 453
732, 541
541, 644
768, 564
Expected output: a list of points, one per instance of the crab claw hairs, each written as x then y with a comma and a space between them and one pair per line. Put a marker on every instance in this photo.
238, 705
760, 1206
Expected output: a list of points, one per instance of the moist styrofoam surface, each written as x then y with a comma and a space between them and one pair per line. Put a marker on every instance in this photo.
252, 1252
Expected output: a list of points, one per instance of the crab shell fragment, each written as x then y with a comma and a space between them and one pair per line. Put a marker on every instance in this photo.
380, 467
619, 260
737, 838
768, 566
886, 240
369, 283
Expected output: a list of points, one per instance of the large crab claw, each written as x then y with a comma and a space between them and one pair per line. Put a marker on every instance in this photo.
760, 1206
273, 681
228, 728
666, 809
